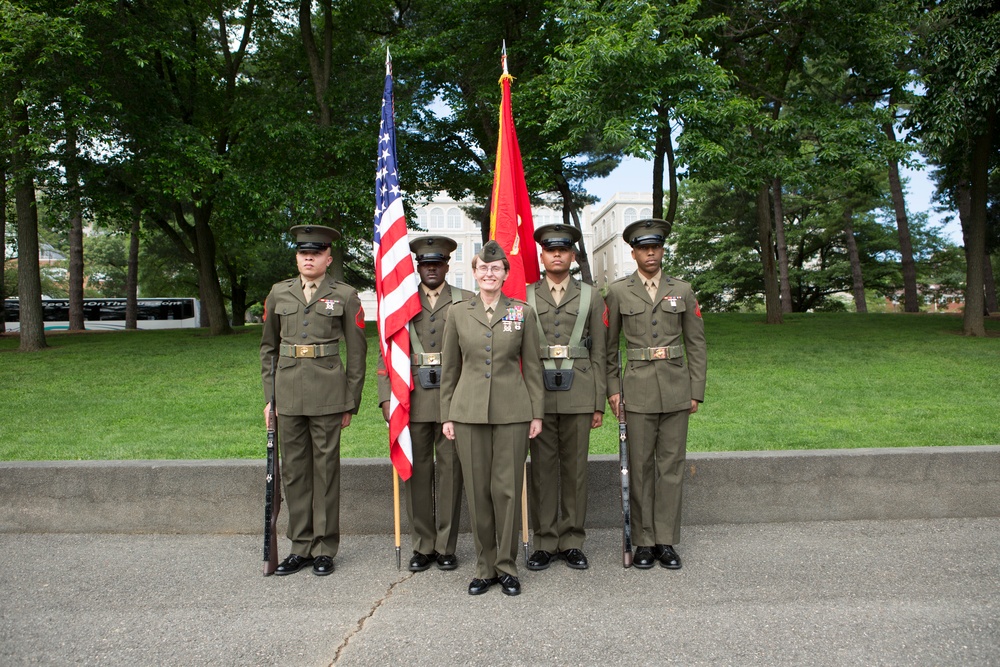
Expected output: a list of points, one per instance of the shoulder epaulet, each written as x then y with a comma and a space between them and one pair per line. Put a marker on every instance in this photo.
621, 280
676, 280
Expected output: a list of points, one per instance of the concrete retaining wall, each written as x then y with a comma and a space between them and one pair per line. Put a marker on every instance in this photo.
732, 487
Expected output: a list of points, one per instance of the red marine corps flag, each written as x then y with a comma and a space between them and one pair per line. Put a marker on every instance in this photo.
510, 208
395, 285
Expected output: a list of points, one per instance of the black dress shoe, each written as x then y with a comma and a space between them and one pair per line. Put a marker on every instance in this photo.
540, 560
447, 562
420, 562
510, 585
322, 566
643, 558
668, 557
575, 558
292, 564
480, 586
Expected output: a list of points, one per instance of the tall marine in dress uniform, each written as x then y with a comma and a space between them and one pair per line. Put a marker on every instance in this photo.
492, 402
307, 320
434, 537
573, 322
664, 384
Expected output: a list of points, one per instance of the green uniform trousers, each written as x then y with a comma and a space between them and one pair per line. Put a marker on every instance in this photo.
310, 474
558, 499
492, 457
657, 447
430, 533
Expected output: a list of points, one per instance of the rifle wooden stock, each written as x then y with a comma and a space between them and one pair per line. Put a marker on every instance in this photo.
272, 488
623, 466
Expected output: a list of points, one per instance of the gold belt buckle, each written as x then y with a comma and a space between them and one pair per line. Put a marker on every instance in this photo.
305, 351
431, 359
559, 351
657, 353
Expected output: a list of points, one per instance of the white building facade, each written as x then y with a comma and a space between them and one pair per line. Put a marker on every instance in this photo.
610, 256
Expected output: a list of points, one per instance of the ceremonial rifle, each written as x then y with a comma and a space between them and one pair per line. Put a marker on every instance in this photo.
272, 488
623, 465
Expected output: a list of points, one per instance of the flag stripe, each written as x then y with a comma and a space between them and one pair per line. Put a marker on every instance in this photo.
395, 287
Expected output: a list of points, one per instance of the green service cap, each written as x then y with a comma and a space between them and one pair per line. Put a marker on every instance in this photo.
433, 248
646, 232
492, 252
314, 237
557, 236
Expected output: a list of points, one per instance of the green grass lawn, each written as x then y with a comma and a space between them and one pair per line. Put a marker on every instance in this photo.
818, 381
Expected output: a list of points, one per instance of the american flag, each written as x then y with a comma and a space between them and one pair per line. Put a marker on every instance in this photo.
395, 284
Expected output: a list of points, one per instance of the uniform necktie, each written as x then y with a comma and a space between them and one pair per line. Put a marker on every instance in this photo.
557, 293
432, 298
308, 291
489, 314
651, 289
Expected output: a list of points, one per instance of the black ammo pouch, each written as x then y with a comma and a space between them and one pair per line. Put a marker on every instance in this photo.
429, 376
557, 380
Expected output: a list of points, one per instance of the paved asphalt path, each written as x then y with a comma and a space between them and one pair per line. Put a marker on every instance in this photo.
825, 593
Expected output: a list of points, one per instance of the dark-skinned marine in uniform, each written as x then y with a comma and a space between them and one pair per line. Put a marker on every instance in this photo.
434, 537
309, 321
573, 323
664, 385
492, 402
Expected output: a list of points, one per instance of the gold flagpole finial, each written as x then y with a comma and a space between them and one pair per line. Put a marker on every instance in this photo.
503, 57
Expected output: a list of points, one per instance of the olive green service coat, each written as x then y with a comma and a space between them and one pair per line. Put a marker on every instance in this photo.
311, 395
482, 380
658, 396
491, 389
431, 450
559, 453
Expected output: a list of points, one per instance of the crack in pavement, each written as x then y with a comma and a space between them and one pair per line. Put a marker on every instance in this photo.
364, 619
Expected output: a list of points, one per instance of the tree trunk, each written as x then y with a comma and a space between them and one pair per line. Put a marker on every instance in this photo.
771, 290
665, 147
857, 280
320, 64
569, 210
337, 266
991, 286
70, 164
659, 153
319, 68
238, 301
132, 277
208, 275
975, 230
779, 231
29, 282
911, 300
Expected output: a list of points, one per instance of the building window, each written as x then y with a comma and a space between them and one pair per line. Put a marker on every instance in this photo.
459, 280
422, 218
457, 255
476, 247
630, 216
437, 218
647, 213
454, 218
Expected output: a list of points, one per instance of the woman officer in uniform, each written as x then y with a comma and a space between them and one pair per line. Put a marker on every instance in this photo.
492, 402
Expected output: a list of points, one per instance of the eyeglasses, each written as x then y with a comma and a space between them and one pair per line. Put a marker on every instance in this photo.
482, 268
